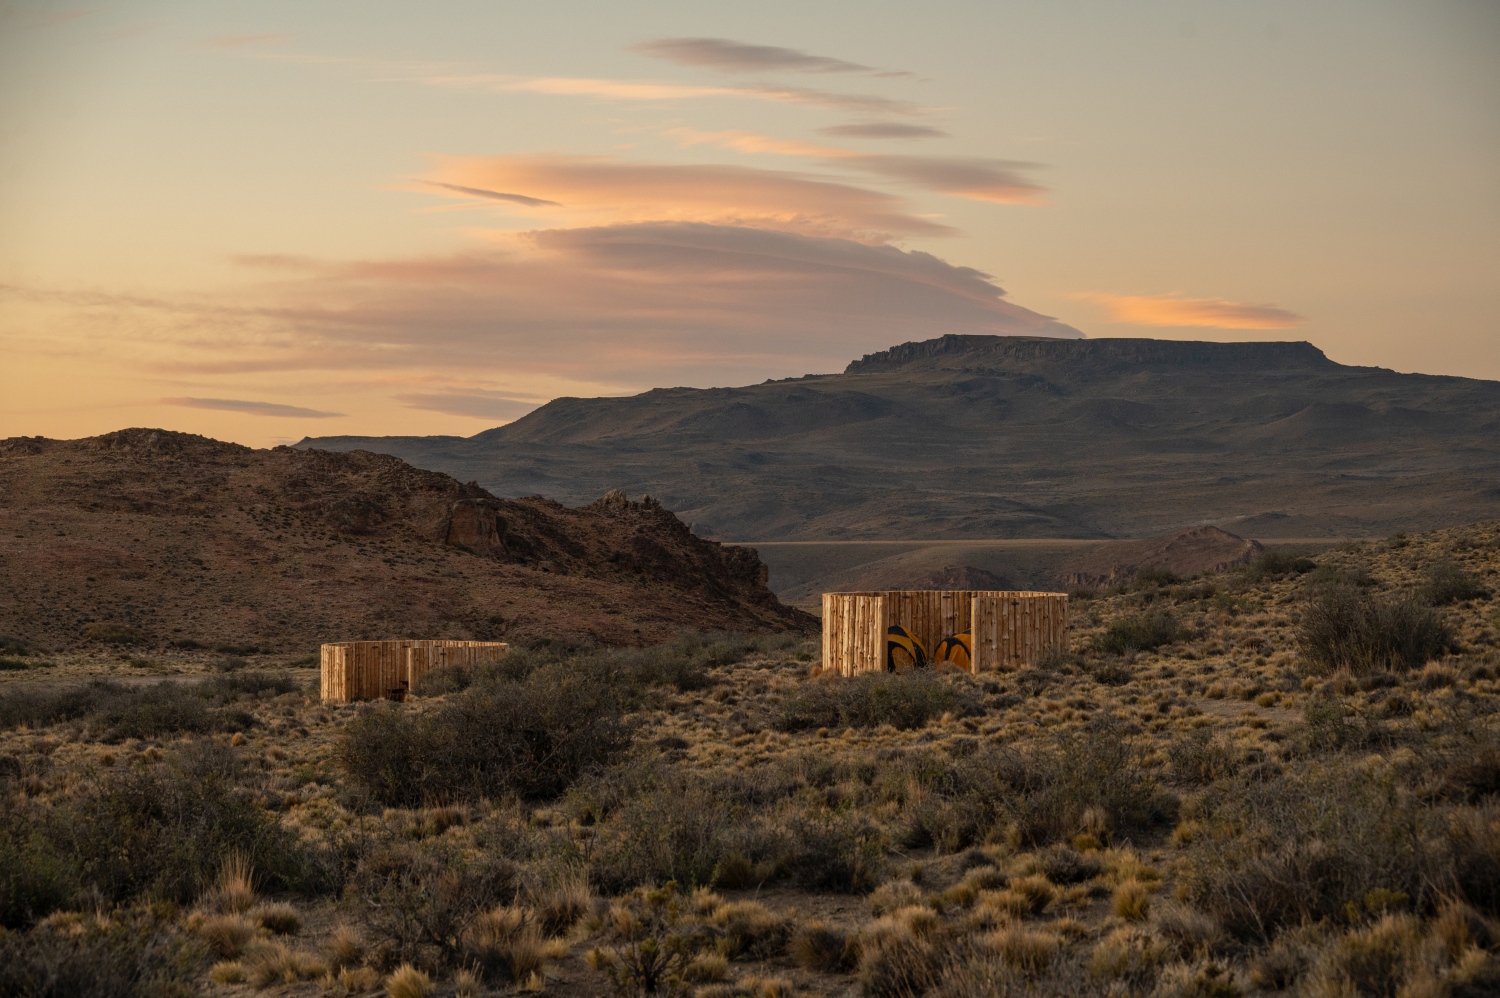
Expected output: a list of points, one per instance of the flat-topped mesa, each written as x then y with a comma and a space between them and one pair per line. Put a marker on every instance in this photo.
1025, 352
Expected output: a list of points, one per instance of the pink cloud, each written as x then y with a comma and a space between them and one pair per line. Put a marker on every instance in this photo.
978, 179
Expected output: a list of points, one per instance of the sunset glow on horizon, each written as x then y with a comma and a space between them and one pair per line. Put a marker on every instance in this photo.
263, 221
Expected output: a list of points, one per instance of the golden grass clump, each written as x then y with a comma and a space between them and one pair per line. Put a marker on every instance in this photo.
467, 983
345, 946
1131, 901
225, 935
1129, 953
358, 980
407, 981
279, 919
235, 889
272, 963
507, 943
749, 928
227, 972
894, 895
900, 954
816, 946
1030, 951
563, 906
706, 968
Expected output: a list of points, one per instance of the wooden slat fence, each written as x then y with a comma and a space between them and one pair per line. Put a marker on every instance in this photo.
1009, 628
371, 670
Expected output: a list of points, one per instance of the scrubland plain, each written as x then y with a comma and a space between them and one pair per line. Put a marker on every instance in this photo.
1281, 778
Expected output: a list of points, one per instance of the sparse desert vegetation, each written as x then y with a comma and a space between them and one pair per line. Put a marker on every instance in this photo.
1281, 779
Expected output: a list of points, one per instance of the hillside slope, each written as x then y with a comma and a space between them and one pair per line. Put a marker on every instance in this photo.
158, 537
987, 436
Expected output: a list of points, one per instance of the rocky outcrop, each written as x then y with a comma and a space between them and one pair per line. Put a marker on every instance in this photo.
175, 538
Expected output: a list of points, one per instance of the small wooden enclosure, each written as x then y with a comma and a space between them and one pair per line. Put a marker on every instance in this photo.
370, 670
1009, 629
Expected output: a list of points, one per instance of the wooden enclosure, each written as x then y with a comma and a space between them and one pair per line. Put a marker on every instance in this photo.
370, 670
1009, 629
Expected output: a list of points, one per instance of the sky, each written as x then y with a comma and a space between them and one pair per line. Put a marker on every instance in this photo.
259, 221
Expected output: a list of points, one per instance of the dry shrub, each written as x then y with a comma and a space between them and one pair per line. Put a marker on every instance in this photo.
903, 700
278, 919
1033, 893
1190, 932
562, 905
1064, 865
530, 738
1345, 627
466, 983
225, 935
1029, 951
1299, 848
1203, 979
1131, 901
1368, 961
270, 963
816, 946
706, 968
1282, 964
1140, 632
234, 891
900, 955
407, 981
506, 945
1130, 955
358, 980
893, 895
749, 928
346, 947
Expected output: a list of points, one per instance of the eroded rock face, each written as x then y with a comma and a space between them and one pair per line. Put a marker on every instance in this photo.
1196, 551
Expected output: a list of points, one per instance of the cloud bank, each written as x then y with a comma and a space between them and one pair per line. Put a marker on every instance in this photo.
602, 189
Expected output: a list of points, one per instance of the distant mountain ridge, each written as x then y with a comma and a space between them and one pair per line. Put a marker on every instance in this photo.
995, 436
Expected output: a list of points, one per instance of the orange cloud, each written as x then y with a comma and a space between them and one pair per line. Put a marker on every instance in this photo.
1175, 310
995, 180
601, 190
647, 90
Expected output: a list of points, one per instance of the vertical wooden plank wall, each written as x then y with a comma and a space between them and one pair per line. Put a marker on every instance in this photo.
1009, 628
370, 670
854, 632
1014, 629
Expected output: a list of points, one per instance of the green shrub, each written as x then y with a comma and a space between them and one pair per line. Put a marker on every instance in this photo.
1343, 627
110, 633
1299, 848
1140, 632
112, 711
131, 955
1279, 565
531, 738
1446, 582
903, 700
